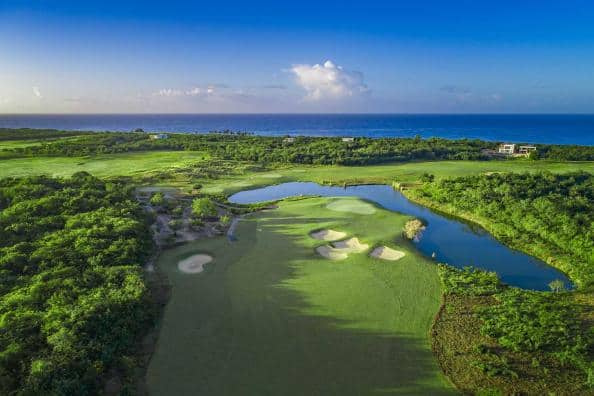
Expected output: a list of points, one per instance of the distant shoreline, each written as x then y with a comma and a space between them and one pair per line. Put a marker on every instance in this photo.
529, 128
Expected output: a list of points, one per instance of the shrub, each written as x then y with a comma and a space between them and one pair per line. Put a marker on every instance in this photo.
413, 228
203, 207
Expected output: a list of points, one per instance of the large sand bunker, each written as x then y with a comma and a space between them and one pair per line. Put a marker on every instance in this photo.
331, 253
327, 235
386, 253
351, 245
351, 205
194, 264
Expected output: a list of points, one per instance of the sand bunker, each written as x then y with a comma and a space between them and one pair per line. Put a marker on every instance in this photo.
352, 206
331, 253
351, 245
327, 235
194, 264
386, 253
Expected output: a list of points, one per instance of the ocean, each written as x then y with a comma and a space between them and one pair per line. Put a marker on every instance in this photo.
554, 129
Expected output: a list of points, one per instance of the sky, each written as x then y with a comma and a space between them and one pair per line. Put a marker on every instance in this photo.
302, 56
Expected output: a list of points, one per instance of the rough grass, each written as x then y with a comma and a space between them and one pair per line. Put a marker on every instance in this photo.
270, 317
128, 164
387, 174
147, 163
459, 347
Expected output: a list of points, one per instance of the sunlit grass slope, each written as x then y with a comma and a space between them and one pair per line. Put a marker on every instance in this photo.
270, 316
128, 164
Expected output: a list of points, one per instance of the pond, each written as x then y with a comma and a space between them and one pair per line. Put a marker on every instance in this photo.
449, 240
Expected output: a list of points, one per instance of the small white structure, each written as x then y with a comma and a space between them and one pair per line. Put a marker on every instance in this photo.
289, 140
507, 148
159, 136
526, 150
348, 139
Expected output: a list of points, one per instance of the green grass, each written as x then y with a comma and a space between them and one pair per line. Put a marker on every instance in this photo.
128, 164
145, 163
271, 317
402, 172
12, 144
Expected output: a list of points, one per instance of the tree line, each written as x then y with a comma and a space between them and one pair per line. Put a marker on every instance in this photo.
73, 300
246, 147
548, 215
300, 150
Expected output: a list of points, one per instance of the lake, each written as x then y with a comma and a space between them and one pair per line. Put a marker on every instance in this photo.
453, 242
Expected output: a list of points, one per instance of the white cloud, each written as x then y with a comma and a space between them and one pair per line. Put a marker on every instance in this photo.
193, 91
168, 92
37, 92
329, 81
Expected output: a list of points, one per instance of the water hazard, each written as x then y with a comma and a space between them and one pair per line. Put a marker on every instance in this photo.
451, 241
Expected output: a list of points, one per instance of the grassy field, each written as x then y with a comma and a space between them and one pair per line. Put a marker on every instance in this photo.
128, 164
269, 316
402, 172
144, 163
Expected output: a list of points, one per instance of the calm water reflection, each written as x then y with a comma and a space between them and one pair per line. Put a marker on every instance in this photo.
453, 242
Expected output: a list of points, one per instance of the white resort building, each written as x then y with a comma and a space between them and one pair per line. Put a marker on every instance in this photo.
507, 148
519, 151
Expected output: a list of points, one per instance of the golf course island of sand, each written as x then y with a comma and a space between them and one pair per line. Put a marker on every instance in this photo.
351, 245
341, 249
327, 235
331, 253
194, 264
386, 253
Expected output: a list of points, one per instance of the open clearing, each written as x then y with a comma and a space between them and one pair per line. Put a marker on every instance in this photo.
128, 164
140, 163
272, 317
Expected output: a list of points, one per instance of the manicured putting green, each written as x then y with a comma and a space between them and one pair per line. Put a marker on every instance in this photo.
351, 205
270, 316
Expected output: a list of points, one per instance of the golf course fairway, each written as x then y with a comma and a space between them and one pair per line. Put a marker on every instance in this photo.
270, 316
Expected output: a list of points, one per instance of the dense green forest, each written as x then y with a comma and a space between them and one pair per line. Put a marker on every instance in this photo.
548, 215
73, 301
302, 150
245, 147
36, 134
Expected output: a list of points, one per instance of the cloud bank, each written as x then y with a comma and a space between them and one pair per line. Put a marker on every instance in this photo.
193, 91
329, 81
37, 92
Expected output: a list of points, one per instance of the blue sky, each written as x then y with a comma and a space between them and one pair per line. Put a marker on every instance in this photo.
323, 56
